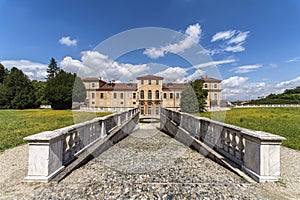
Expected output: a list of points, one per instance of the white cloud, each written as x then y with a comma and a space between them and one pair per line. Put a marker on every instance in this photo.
34, 70
233, 41
288, 84
247, 68
296, 59
212, 63
93, 64
237, 87
192, 33
173, 73
223, 35
68, 41
234, 81
234, 49
241, 37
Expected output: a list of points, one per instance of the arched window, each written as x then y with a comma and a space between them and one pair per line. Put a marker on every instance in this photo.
142, 94
149, 94
156, 94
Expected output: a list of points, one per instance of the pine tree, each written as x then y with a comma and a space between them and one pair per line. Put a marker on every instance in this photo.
3, 73
52, 69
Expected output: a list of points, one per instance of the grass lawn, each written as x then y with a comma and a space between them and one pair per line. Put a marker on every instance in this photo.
279, 121
17, 124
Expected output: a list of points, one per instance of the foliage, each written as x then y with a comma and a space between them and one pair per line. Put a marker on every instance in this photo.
279, 121
17, 91
52, 69
193, 97
289, 96
40, 92
17, 124
59, 90
3, 73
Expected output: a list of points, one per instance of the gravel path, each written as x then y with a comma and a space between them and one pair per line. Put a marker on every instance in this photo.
147, 165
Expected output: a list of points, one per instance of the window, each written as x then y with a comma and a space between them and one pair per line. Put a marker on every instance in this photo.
149, 111
171, 95
177, 95
205, 85
93, 85
156, 94
121, 102
215, 96
165, 95
157, 110
149, 82
121, 95
142, 82
149, 94
157, 82
215, 85
134, 103
115, 95
93, 95
142, 111
142, 94
134, 95
93, 102
101, 95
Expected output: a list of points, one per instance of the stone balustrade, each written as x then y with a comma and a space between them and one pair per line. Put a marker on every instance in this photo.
257, 153
51, 151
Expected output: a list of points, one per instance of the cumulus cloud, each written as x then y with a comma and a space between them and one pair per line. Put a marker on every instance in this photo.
93, 63
192, 36
68, 41
34, 70
288, 84
238, 87
173, 73
247, 68
223, 35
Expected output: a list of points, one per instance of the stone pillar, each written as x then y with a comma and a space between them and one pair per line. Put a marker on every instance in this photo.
262, 155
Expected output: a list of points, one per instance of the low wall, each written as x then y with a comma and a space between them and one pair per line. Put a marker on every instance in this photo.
268, 106
51, 151
257, 153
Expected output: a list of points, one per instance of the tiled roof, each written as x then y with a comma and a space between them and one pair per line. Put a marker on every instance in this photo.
169, 86
119, 86
210, 80
149, 77
90, 79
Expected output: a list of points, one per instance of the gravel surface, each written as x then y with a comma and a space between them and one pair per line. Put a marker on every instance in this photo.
147, 165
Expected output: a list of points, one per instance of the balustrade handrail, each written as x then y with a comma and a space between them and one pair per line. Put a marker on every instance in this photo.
51, 151
256, 152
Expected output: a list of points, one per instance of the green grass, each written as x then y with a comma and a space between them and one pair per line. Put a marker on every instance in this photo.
17, 124
279, 121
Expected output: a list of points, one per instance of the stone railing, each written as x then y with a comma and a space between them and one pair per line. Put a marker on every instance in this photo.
257, 153
51, 151
267, 106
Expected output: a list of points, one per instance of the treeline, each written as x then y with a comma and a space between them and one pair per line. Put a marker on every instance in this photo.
289, 96
59, 90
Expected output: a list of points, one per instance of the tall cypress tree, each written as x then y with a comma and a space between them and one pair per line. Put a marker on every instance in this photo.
52, 69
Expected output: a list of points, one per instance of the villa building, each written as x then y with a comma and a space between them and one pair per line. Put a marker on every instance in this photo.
149, 93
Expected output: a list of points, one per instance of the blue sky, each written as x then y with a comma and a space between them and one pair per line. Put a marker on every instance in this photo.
254, 45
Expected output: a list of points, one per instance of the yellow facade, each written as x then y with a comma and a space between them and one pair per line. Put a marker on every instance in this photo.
149, 93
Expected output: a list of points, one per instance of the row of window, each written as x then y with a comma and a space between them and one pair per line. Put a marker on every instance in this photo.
150, 82
149, 111
206, 85
115, 95
142, 95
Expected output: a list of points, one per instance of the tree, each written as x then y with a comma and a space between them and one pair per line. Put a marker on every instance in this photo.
39, 91
3, 73
60, 90
193, 97
18, 90
52, 69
